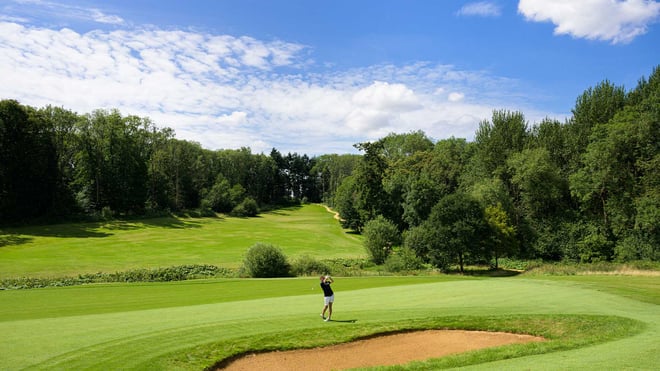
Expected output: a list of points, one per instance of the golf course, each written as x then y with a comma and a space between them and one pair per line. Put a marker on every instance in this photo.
588, 322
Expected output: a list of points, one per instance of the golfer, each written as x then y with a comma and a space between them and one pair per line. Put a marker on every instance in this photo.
328, 297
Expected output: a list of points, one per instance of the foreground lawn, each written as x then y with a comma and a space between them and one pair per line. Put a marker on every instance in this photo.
192, 325
72, 249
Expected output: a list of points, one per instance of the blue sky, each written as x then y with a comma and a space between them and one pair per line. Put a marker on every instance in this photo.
316, 77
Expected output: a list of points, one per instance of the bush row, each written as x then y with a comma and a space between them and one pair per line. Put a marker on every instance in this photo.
265, 260
174, 273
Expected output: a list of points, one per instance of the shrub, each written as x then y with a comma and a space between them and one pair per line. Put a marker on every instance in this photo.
403, 260
346, 267
636, 247
380, 236
248, 207
308, 266
265, 260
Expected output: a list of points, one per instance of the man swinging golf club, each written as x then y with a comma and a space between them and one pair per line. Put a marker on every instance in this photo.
328, 297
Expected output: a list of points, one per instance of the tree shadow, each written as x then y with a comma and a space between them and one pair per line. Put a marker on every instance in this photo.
97, 229
283, 210
169, 222
10, 239
60, 230
499, 272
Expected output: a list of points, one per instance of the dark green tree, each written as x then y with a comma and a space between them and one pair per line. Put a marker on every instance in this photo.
460, 230
28, 164
345, 204
331, 170
498, 140
594, 106
380, 237
371, 199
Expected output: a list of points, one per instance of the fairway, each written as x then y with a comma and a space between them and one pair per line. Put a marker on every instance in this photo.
188, 325
72, 249
589, 322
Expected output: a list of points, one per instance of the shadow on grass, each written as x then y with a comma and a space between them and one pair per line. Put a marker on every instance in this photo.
283, 210
58, 230
11, 239
97, 229
487, 272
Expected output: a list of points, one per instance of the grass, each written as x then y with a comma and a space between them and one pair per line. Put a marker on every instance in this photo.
191, 325
592, 322
75, 248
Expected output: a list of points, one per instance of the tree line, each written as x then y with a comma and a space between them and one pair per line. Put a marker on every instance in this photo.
55, 163
585, 190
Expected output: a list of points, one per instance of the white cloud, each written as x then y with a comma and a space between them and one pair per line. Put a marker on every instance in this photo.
480, 9
61, 12
101, 17
608, 20
384, 96
455, 97
231, 92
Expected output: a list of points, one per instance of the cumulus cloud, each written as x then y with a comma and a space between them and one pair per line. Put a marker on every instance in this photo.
480, 9
230, 92
608, 20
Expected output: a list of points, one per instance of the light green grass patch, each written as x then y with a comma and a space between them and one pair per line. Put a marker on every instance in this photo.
184, 330
75, 248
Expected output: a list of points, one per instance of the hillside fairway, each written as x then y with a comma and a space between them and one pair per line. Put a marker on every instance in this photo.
191, 325
75, 248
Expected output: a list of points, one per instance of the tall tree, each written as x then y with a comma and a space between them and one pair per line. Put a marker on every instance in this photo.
497, 140
459, 228
61, 125
28, 164
371, 200
345, 203
619, 181
331, 170
594, 106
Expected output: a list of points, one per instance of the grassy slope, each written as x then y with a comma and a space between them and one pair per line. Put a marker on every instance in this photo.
70, 249
123, 335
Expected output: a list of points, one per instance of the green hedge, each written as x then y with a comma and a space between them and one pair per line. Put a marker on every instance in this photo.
174, 273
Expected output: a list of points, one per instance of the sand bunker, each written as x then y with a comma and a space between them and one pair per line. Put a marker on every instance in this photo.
379, 351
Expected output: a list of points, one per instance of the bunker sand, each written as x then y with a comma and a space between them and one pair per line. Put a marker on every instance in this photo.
379, 351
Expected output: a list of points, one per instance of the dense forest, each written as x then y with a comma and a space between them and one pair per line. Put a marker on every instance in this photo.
584, 190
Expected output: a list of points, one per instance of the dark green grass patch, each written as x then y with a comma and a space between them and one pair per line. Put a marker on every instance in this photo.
562, 332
